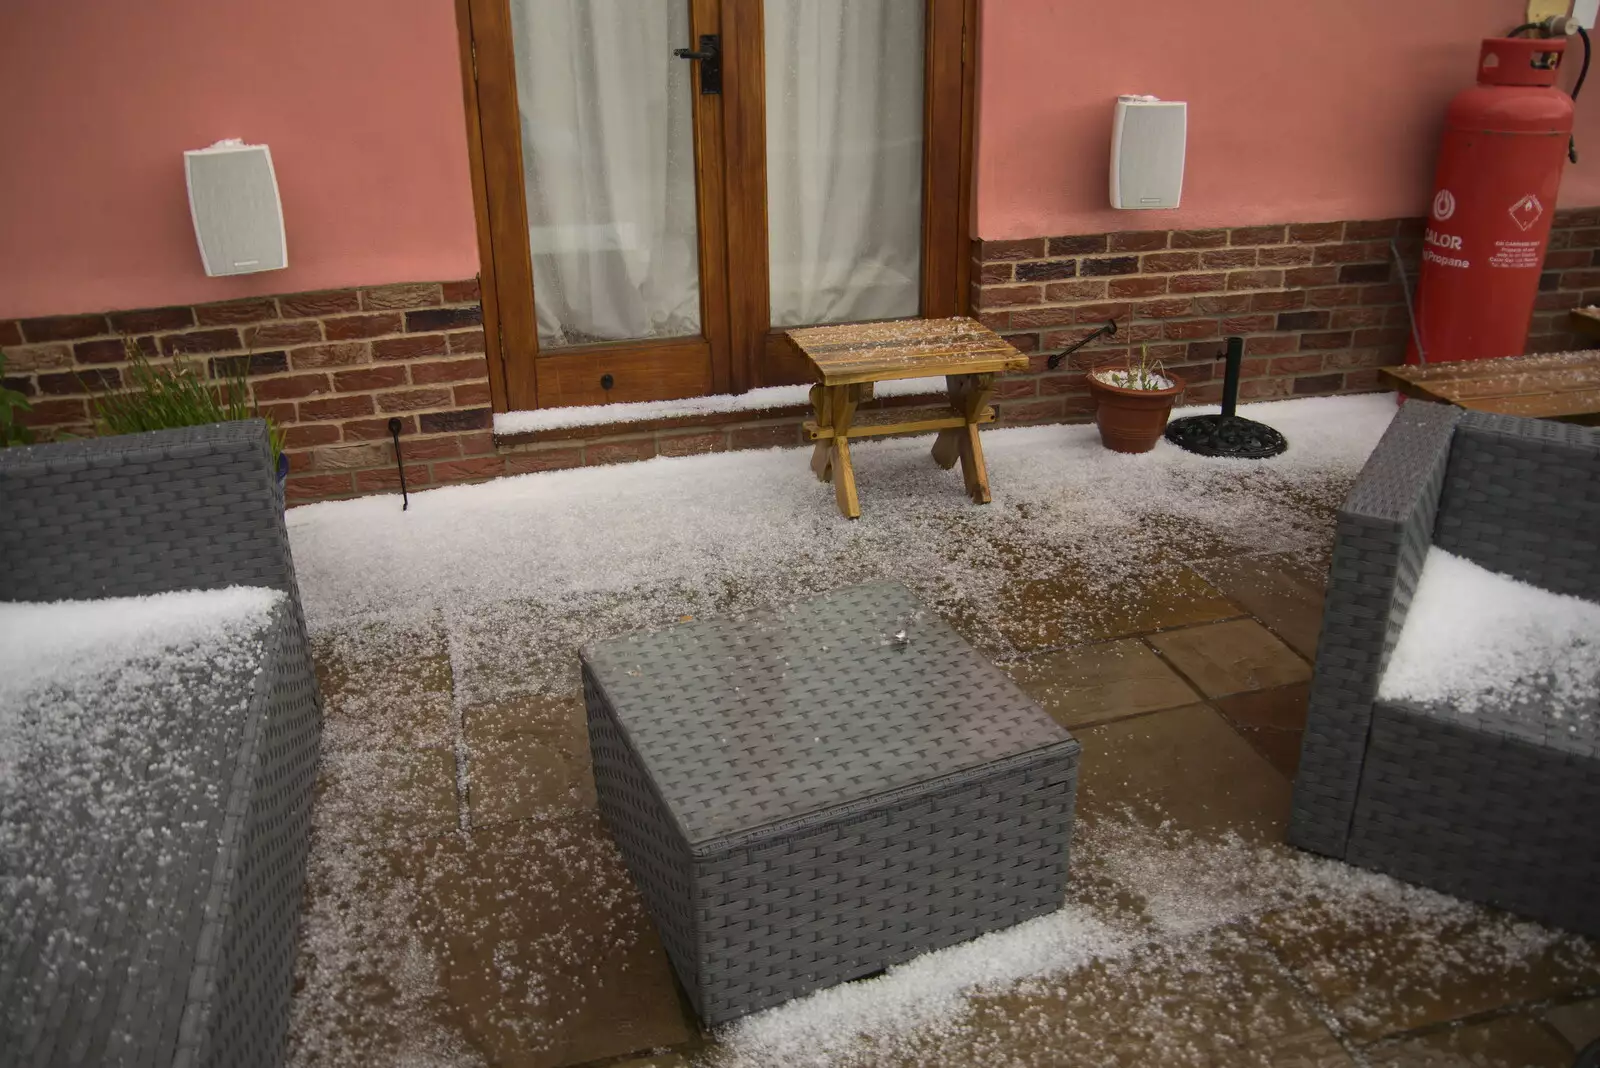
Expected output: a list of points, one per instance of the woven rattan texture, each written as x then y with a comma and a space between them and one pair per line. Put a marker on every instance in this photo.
1384, 530
746, 723
203, 976
187, 509
1522, 497
1481, 815
928, 821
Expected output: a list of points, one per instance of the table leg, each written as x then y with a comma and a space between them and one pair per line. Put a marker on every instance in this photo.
822, 451
843, 409
969, 394
947, 446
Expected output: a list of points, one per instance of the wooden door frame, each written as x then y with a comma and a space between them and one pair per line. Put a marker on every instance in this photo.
505, 263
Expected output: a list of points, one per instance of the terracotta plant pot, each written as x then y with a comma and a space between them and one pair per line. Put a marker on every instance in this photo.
1132, 420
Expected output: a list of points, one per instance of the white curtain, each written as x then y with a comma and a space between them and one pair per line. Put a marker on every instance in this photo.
608, 168
844, 158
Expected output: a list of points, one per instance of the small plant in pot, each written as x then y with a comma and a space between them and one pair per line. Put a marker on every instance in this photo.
1133, 400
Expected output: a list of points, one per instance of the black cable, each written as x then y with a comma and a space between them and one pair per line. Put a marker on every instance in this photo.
1525, 26
1577, 87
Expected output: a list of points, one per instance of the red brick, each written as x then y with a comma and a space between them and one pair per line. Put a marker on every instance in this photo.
200, 341
1362, 380
1306, 277
316, 305
763, 437
1032, 248
54, 413
1199, 238
1312, 233
1190, 329
302, 488
1348, 318
1016, 387
1261, 388
523, 463
1371, 229
1204, 351
990, 274
1271, 345
1364, 273
386, 478
468, 341
253, 365
10, 332
300, 460
26, 358
1256, 235
478, 443
1353, 252
152, 320
282, 414
1065, 339
402, 296
96, 380
1284, 256
1285, 300
1354, 359
691, 444
236, 312
63, 327
1254, 280
103, 350
1303, 320
1198, 283
1077, 245
424, 374
1136, 333
1332, 297
290, 387
1138, 241
1172, 308
464, 470
463, 292
1296, 365
1578, 217
1058, 292
352, 327
1009, 296
1386, 294
1223, 304
1045, 270
1099, 313
1382, 335
1205, 393
994, 320
1225, 258
1037, 411
345, 407
370, 429
299, 332
364, 378
1063, 384
1249, 324
441, 448
1137, 286
429, 319
1161, 262
305, 436
1033, 318
471, 393
1022, 342
617, 452
411, 347
342, 354
1332, 339
1557, 301
410, 400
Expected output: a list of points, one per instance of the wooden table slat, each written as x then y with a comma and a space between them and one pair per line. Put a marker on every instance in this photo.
1556, 385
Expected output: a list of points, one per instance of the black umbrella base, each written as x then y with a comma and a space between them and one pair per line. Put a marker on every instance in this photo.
1226, 435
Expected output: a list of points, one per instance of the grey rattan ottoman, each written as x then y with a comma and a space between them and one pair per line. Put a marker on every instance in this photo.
805, 797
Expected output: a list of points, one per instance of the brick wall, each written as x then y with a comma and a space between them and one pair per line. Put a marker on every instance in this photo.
1320, 305
330, 367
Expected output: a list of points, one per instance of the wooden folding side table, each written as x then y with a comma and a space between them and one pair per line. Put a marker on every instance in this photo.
847, 359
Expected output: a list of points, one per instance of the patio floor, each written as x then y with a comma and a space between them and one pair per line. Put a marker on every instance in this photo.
467, 905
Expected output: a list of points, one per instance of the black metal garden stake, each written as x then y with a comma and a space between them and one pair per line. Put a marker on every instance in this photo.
400, 463
1227, 434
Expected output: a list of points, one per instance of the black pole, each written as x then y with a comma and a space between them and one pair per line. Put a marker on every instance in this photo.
400, 464
1230, 382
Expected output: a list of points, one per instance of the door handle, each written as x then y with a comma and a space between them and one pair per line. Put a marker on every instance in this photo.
710, 59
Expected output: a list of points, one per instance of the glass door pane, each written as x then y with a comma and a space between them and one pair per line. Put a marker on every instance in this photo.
844, 158
608, 168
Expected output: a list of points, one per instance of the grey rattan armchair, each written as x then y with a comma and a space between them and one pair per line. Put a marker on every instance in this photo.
1480, 806
186, 960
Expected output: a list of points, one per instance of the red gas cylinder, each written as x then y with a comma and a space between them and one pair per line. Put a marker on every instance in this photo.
1505, 141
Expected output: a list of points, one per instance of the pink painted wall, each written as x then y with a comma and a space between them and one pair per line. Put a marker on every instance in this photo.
1298, 112
360, 100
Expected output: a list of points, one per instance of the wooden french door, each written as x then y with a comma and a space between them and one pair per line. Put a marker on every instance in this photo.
623, 190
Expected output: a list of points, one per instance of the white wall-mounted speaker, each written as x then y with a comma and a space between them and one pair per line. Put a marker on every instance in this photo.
233, 199
1148, 137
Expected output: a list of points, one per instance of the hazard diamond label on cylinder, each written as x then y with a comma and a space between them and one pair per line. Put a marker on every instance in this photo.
1526, 212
